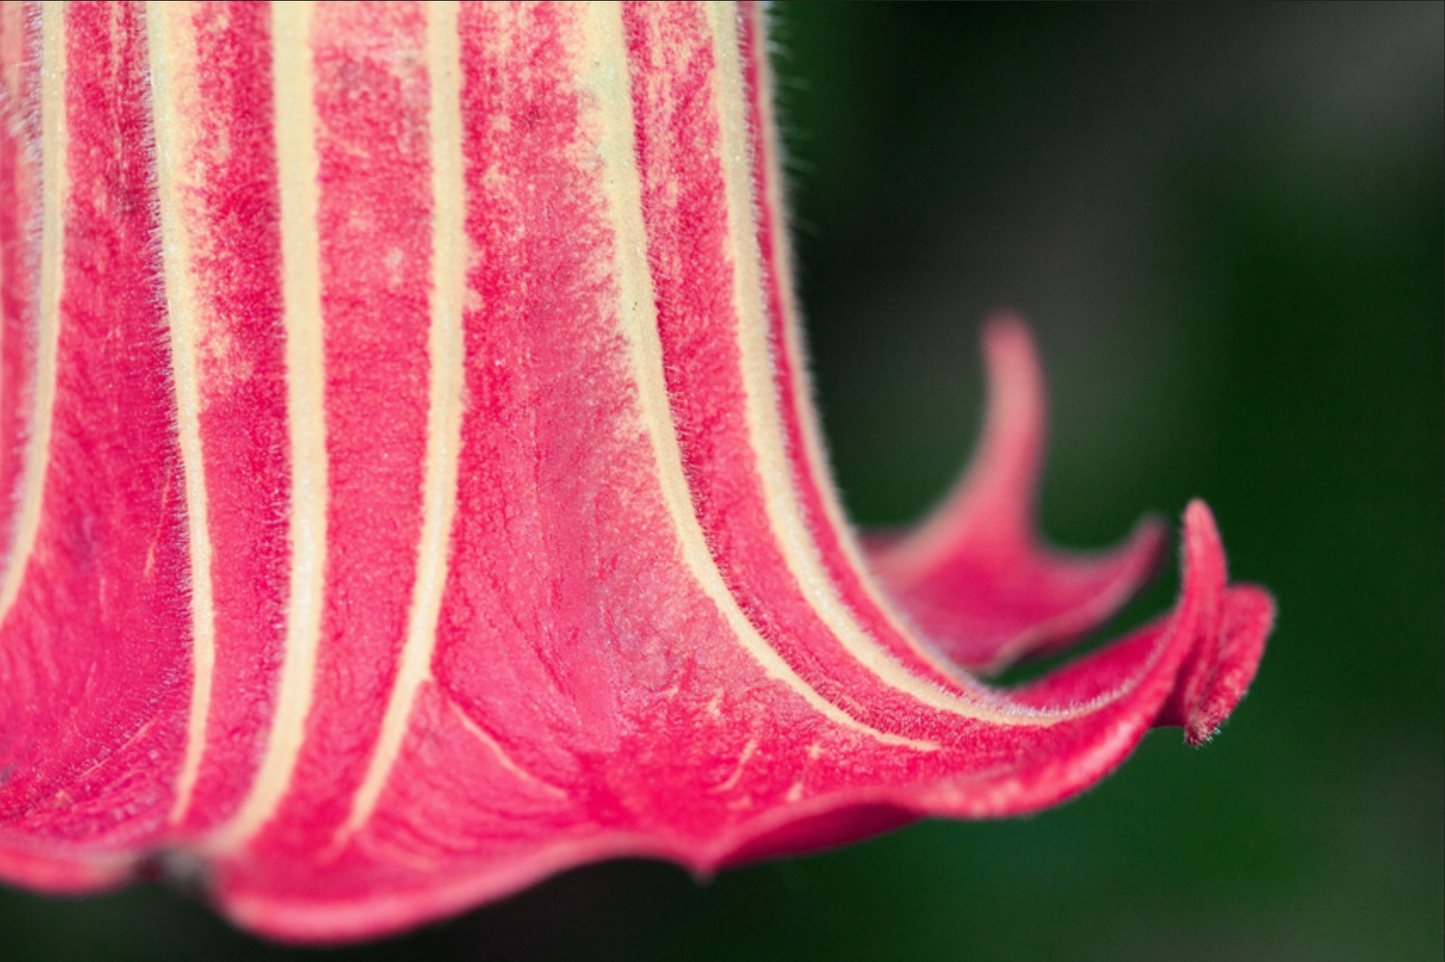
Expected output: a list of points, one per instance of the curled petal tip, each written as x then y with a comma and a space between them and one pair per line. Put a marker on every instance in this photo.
1007, 339
973, 577
1233, 623
1248, 618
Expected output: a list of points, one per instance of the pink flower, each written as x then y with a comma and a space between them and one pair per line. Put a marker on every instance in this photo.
411, 488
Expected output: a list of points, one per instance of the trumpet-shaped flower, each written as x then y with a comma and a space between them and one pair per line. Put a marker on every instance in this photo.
410, 488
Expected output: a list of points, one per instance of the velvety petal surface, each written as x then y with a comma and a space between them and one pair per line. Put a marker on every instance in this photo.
413, 487
972, 577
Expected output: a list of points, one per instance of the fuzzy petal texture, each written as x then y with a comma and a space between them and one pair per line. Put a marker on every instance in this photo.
411, 486
972, 577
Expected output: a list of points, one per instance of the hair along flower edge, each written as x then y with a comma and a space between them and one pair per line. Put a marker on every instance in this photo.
468, 519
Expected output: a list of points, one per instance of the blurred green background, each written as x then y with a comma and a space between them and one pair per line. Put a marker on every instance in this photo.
1225, 224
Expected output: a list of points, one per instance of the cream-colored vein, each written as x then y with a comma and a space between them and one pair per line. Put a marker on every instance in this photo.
298, 165
171, 43
785, 514
446, 355
55, 199
603, 71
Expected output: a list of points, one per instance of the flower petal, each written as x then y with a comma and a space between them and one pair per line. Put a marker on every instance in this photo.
439, 503
972, 578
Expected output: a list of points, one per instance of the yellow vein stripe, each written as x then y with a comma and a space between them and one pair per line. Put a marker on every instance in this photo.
298, 166
55, 194
785, 515
601, 65
812, 442
446, 351
171, 40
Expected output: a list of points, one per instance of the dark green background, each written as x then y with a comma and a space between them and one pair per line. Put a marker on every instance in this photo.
1225, 223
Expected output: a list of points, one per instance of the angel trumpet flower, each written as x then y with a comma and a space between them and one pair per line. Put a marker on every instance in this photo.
411, 488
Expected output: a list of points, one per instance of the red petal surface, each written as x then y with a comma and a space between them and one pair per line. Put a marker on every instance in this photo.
411, 487
972, 577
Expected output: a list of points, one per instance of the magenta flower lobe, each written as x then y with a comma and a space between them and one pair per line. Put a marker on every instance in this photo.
411, 486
